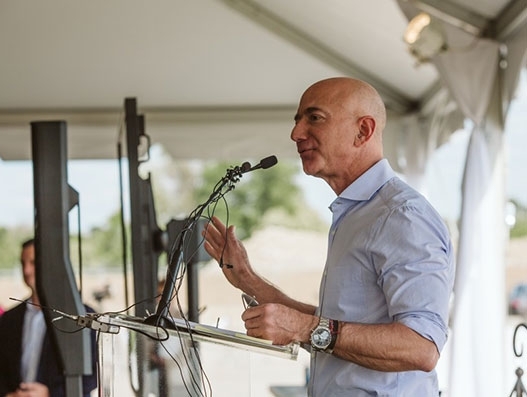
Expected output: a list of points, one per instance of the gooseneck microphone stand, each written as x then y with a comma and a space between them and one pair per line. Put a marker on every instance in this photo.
177, 257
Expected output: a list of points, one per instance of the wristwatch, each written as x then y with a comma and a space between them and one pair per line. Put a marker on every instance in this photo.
324, 336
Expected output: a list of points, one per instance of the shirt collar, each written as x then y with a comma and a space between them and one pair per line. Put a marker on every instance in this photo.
362, 189
368, 183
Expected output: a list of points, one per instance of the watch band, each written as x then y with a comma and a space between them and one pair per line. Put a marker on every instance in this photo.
334, 329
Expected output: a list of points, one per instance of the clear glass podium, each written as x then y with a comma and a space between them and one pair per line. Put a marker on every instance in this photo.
191, 360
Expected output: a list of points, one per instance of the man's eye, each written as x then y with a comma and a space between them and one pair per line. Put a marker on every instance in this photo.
315, 117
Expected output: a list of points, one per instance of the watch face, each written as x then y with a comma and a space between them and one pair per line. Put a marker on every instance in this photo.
321, 338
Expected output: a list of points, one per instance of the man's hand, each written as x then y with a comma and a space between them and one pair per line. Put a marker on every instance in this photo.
279, 323
30, 389
222, 244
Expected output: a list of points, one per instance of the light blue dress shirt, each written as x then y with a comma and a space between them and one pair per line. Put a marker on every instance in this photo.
390, 259
32, 338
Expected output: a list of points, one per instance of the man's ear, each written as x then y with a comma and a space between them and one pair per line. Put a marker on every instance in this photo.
366, 130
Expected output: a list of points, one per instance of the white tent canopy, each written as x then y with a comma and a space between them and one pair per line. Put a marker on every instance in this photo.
214, 78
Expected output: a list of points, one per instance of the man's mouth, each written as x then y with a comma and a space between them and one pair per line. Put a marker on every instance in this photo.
304, 150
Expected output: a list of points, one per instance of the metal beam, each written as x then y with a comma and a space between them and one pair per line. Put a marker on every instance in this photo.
394, 100
95, 131
511, 18
97, 117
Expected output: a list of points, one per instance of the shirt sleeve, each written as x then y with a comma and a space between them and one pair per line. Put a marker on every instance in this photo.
415, 266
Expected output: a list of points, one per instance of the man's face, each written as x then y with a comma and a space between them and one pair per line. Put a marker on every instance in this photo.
323, 132
27, 260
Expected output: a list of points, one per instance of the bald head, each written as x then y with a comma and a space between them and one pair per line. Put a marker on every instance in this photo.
338, 130
356, 96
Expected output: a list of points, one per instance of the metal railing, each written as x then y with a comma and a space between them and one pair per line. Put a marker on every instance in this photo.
519, 388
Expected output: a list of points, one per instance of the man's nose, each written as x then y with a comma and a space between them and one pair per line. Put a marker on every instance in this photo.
298, 132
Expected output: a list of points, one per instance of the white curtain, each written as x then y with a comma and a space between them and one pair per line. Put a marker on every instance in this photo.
482, 90
410, 140
477, 328
478, 317
481, 75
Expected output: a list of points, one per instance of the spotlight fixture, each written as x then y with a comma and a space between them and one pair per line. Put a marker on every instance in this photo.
424, 37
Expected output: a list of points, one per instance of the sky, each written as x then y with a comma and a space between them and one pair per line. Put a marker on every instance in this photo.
444, 174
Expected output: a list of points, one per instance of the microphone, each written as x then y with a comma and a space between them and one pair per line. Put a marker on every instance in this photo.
245, 167
265, 163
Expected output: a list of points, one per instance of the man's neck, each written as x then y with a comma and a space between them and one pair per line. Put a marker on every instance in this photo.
35, 300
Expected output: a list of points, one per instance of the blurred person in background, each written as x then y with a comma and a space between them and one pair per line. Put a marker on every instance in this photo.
29, 362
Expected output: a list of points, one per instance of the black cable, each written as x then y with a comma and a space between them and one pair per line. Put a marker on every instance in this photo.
177, 268
183, 244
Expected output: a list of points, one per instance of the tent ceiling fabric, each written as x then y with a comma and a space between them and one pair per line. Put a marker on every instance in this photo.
214, 78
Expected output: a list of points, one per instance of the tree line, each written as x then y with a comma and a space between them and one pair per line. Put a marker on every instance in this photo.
264, 197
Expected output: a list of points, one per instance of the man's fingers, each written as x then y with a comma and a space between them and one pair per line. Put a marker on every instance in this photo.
214, 237
219, 226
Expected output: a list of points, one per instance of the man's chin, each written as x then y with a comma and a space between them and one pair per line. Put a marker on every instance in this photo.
309, 166
311, 171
